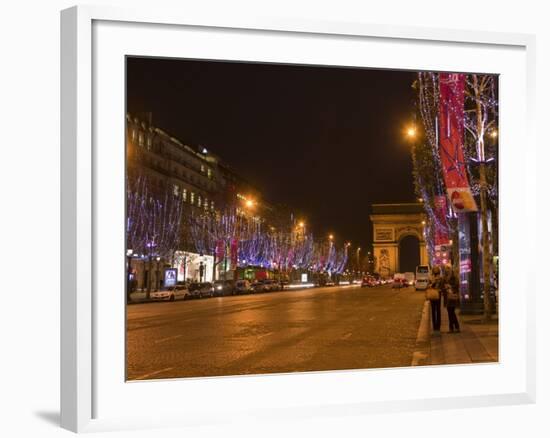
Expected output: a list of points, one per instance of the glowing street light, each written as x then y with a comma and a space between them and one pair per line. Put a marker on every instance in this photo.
249, 203
410, 132
331, 237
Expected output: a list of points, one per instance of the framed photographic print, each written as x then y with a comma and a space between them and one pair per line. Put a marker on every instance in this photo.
291, 218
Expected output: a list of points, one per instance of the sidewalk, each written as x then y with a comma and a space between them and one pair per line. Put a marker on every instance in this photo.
476, 343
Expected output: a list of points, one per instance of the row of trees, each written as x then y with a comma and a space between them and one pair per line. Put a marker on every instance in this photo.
250, 241
156, 226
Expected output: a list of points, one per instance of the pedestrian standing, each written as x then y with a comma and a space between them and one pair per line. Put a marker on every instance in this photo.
433, 294
451, 299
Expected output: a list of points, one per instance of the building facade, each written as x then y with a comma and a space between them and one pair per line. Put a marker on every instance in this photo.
200, 180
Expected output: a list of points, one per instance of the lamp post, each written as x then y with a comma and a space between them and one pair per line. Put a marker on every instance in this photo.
150, 270
158, 274
358, 259
330, 243
129, 253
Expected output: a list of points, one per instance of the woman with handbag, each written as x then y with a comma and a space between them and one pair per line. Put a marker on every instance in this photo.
433, 294
451, 299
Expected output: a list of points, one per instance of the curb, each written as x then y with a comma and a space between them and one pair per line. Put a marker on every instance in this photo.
421, 355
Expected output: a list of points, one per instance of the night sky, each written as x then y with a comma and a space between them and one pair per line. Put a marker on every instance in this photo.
328, 142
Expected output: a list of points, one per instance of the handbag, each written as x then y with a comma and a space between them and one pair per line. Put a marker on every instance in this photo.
452, 295
432, 294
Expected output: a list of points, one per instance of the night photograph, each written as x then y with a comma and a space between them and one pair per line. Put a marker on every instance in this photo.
300, 218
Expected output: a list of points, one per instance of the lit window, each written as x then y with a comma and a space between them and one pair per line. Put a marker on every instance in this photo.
134, 134
184, 195
205, 204
211, 205
192, 198
140, 138
176, 190
199, 200
149, 142
209, 172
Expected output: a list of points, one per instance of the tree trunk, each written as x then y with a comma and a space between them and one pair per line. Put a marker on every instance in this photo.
483, 202
149, 277
487, 308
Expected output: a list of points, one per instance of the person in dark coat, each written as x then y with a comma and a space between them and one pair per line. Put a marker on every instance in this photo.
451, 298
435, 304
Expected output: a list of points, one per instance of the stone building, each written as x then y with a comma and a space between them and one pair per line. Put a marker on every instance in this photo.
199, 178
396, 226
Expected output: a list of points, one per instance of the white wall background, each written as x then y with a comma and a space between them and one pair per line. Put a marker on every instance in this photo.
29, 215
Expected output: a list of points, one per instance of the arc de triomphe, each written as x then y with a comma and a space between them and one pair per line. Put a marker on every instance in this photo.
390, 224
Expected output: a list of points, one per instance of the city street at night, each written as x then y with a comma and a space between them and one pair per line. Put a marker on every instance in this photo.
243, 179
318, 329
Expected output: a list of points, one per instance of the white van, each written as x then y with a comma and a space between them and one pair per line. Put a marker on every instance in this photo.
422, 277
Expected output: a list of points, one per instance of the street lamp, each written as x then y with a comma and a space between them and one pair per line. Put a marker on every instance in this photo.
158, 274
358, 259
411, 132
149, 246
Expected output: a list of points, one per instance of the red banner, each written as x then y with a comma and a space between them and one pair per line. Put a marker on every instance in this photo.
234, 253
451, 139
220, 249
441, 228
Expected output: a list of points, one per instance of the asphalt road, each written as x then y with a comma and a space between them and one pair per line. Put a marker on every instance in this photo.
332, 328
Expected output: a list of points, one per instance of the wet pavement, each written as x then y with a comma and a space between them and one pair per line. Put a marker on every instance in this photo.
321, 329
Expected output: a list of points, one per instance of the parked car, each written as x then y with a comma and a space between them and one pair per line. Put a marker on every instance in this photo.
243, 287
223, 288
206, 289
201, 290
170, 294
259, 286
194, 290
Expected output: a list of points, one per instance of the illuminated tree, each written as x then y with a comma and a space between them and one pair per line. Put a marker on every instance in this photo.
153, 222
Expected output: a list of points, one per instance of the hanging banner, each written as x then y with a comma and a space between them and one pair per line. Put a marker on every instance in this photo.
220, 249
451, 140
440, 213
234, 253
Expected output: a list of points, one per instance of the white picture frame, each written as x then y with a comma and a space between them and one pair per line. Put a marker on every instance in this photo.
85, 383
